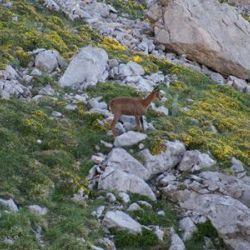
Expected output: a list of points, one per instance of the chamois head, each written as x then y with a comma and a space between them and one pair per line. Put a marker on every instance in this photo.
156, 93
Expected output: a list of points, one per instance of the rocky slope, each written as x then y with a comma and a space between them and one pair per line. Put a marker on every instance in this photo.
66, 184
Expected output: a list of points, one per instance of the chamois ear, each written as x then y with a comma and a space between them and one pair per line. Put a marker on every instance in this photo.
156, 88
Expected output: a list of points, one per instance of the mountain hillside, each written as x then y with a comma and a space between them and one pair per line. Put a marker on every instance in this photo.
66, 183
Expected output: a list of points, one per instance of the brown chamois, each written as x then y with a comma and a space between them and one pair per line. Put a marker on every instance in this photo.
132, 106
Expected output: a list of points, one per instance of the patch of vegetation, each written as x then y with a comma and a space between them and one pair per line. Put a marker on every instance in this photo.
205, 230
110, 90
124, 240
27, 25
134, 9
148, 216
43, 158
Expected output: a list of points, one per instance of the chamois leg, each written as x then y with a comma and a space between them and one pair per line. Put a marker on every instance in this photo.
115, 120
137, 119
142, 124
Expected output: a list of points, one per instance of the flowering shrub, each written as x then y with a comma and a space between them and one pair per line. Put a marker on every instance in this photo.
110, 43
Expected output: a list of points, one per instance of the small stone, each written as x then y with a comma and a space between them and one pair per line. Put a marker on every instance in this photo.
8, 241
124, 197
36, 209
36, 72
237, 166
130, 138
106, 144
39, 141
145, 203
98, 212
159, 233
122, 221
161, 213
98, 159
71, 107
57, 114
9, 204
134, 207
188, 227
47, 90
111, 197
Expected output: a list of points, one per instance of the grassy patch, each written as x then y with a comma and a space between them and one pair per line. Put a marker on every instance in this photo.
134, 9
109, 90
125, 240
39, 173
35, 28
205, 230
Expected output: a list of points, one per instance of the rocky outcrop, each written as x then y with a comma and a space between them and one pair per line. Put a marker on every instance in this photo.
157, 164
121, 159
86, 68
118, 180
195, 160
10, 85
223, 45
229, 216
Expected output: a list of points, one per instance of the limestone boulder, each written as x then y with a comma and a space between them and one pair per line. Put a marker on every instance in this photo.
166, 160
119, 158
230, 217
86, 68
118, 180
223, 45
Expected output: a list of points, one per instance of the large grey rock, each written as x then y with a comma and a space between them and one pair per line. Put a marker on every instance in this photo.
223, 45
86, 68
119, 158
118, 180
47, 60
129, 139
227, 185
166, 160
121, 221
229, 216
195, 160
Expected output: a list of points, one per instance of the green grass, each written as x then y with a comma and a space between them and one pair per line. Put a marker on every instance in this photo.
35, 173
134, 9
126, 241
205, 230
49, 173
39, 28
